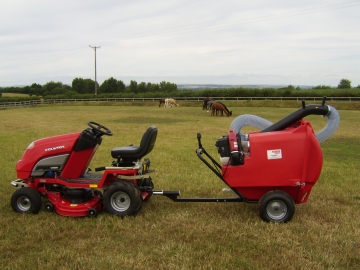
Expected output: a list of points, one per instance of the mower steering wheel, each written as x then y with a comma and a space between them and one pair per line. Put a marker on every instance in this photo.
99, 129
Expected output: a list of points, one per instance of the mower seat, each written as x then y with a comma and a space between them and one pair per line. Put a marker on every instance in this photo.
134, 153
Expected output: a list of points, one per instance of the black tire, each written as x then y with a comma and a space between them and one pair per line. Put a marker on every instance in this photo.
92, 212
139, 200
122, 199
49, 207
26, 200
276, 206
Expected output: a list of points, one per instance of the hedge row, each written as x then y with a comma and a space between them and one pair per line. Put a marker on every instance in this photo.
18, 99
234, 92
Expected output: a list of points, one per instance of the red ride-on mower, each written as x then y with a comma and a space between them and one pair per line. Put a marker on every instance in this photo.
275, 167
55, 168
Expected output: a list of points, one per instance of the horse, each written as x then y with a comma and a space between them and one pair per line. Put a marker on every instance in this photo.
230, 112
161, 101
170, 102
209, 104
206, 101
220, 107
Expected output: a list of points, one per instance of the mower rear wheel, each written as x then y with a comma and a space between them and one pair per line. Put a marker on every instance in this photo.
26, 200
276, 206
122, 199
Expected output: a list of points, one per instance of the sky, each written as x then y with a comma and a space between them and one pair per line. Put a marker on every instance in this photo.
233, 42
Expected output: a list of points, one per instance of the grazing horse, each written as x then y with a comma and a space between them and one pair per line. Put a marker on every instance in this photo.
220, 107
170, 102
161, 101
230, 112
209, 104
206, 101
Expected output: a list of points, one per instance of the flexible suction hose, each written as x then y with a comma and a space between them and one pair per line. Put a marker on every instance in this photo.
255, 121
331, 127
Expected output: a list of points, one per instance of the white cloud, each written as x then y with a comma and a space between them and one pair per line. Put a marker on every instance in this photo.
227, 42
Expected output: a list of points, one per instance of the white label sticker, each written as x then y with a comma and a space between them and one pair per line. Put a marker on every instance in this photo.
274, 154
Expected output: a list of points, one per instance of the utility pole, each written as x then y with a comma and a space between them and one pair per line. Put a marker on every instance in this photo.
94, 48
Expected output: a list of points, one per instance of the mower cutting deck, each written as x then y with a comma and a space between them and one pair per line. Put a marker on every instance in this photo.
276, 167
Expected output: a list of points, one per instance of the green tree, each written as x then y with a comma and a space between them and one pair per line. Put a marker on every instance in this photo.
168, 87
344, 83
320, 86
133, 87
83, 86
109, 86
70, 94
49, 86
89, 86
26, 90
142, 87
121, 86
153, 87
58, 91
35, 89
78, 85
291, 87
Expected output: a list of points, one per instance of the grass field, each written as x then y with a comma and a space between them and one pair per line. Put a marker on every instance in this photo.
14, 95
324, 233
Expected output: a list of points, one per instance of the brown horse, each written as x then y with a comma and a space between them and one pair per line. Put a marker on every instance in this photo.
206, 101
161, 101
220, 107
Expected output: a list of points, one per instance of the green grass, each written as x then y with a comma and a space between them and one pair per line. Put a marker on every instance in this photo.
324, 233
14, 95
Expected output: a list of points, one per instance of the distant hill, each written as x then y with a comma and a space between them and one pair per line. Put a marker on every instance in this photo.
224, 86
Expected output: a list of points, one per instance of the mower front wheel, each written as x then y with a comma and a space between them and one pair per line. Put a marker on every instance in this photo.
49, 207
92, 212
122, 199
26, 200
276, 206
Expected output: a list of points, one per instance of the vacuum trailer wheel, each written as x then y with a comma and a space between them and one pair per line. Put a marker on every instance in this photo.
26, 200
122, 199
276, 206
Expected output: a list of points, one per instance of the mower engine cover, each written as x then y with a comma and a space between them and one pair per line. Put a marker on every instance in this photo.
230, 149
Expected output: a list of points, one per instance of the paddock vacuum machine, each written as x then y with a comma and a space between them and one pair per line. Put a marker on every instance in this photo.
275, 167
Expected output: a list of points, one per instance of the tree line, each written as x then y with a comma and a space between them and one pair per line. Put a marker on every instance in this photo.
85, 88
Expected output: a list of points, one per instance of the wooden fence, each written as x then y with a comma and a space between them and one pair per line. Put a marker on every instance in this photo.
187, 99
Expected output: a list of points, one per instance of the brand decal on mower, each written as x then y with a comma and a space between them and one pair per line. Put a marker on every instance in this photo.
274, 154
54, 148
